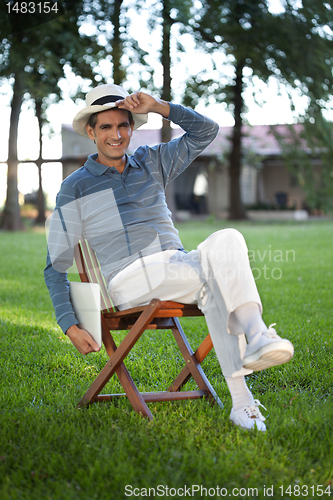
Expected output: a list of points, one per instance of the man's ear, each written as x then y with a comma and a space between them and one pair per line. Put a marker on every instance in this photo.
90, 132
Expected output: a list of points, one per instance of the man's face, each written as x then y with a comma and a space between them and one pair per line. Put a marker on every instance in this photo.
112, 134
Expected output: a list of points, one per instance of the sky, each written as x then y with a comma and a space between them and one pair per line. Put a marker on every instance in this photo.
270, 108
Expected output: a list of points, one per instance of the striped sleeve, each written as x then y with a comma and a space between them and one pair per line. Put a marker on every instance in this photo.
64, 233
175, 156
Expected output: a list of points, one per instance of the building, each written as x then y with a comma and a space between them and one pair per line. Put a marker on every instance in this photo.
204, 186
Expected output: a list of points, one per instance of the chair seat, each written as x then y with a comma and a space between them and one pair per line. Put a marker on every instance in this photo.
167, 309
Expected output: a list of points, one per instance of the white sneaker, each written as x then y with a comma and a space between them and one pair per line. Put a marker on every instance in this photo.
249, 417
267, 349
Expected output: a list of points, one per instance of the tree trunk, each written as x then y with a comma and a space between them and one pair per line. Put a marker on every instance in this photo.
11, 218
166, 95
119, 74
40, 196
166, 64
236, 208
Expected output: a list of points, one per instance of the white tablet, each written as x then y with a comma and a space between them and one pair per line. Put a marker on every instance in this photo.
86, 302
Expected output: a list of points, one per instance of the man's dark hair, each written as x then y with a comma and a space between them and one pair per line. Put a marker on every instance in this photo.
93, 118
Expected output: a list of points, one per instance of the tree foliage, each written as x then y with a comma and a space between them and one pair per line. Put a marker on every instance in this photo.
293, 46
34, 60
166, 14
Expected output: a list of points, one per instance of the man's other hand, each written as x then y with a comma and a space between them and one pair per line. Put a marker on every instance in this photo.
139, 102
82, 340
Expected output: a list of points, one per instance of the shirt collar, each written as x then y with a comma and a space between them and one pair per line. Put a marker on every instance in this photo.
98, 169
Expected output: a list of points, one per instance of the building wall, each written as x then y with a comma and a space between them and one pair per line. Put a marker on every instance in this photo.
218, 190
248, 185
277, 179
74, 144
183, 189
70, 166
218, 180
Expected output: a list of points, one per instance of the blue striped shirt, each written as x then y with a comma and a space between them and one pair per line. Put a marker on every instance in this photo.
123, 216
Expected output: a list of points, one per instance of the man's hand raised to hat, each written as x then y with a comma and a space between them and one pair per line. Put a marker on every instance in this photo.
139, 102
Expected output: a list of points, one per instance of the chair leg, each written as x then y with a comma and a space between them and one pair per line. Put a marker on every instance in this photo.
116, 360
193, 367
204, 348
125, 379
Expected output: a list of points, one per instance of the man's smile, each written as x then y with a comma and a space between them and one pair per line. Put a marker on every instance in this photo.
112, 134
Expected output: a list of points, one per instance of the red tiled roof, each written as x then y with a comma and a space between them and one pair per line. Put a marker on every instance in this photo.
258, 138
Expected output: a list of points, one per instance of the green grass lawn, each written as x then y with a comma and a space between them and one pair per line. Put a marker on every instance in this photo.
51, 450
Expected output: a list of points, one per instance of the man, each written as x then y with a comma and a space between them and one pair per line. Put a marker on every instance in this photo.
117, 202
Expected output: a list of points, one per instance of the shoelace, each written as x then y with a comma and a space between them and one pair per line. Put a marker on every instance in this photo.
271, 332
254, 412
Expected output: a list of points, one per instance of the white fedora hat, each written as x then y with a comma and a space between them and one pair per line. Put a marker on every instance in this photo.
102, 98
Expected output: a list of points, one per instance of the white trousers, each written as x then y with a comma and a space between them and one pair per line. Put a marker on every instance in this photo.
216, 276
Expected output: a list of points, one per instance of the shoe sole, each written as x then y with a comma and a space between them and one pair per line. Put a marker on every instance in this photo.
268, 356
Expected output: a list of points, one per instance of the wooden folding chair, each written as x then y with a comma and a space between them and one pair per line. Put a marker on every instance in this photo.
156, 315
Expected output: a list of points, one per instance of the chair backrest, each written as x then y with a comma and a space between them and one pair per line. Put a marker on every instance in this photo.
90, 271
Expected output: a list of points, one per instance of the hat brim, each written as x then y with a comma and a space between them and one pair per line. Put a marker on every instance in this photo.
81, 119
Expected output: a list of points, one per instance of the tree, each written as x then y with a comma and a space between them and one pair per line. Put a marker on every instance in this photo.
294, 46
111, 21
40, 195
166, 94
167, 14
107, 16
35, 60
